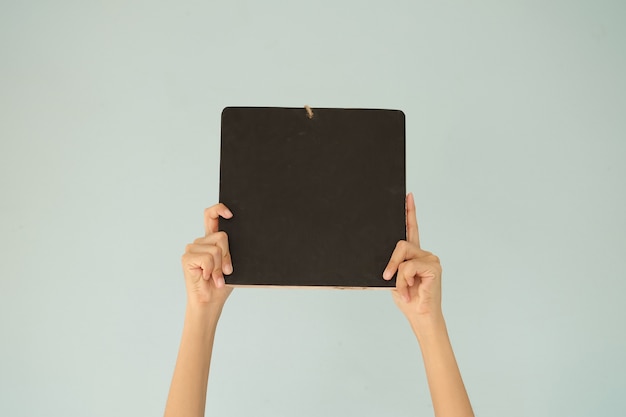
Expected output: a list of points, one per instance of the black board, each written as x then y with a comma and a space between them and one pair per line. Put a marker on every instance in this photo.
317, 201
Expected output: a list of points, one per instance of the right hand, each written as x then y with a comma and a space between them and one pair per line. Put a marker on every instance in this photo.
418, 283
206, 260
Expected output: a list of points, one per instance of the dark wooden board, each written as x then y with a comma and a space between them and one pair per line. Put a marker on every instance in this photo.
317, 201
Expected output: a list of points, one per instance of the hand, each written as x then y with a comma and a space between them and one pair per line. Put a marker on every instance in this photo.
418, 283
206, 261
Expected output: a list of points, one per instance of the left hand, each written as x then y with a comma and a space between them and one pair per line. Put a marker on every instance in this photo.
418, 283
206, 260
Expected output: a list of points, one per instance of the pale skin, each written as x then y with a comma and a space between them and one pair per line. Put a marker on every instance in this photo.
417, 295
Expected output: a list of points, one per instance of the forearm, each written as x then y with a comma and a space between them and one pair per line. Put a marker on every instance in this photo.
447, 390
187, 396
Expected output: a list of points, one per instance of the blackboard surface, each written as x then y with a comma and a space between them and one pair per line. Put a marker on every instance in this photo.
317, 201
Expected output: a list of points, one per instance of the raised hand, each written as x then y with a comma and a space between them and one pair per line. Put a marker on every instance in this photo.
418, 283
206, 260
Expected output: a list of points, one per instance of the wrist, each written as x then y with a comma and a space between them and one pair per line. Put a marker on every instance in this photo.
204, 311
426, 325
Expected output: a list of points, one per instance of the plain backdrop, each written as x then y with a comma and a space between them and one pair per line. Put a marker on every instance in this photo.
109, 152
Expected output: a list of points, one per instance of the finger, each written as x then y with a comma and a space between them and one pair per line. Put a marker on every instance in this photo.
212, 215
403, 289
221, 240
215, 252
406, 273
424, 268
198, 263
412, 231
218, 276
403, 251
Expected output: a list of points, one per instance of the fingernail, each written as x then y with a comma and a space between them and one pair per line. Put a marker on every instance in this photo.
228, 213
220, 282
228, 269
387, 274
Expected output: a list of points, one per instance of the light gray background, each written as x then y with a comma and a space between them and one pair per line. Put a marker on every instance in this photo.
516, 147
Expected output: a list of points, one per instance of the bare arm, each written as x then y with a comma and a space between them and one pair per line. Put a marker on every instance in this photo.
187, 394
204, 263
418, 296
447, 390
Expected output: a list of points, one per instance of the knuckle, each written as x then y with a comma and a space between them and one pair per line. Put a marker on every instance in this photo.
188, 248
431, 257
401, 249
216, 251
221, 235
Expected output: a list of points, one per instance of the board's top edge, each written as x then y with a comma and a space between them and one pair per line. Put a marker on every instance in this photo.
252, 108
